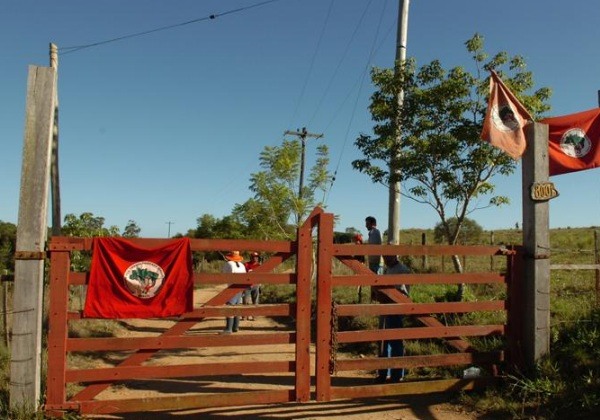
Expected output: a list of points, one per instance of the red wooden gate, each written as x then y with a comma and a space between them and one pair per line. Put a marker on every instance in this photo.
137, 365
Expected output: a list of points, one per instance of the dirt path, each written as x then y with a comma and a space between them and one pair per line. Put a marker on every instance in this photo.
398, 407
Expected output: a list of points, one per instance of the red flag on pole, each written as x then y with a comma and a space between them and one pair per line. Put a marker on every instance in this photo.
573, 142
127, 281
505, 119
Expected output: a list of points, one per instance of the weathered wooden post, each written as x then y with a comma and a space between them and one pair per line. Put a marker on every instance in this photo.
54, 169
536, 191
25, 368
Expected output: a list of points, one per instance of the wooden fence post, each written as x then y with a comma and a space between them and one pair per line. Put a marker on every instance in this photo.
536, 242
491, 256
424, 257
25, 367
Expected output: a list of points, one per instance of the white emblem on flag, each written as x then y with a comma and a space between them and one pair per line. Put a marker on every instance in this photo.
575, 143
505, 118
144, 279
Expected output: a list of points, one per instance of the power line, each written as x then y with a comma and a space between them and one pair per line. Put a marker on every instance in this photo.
312, 63
335, 72
372, 53
69, 50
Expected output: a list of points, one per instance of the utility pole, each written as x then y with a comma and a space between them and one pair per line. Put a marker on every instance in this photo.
169, 230
54, 173
303, 135
394, 187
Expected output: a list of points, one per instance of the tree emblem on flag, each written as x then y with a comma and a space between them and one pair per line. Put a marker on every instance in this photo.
575, 143
144, 279
505, 117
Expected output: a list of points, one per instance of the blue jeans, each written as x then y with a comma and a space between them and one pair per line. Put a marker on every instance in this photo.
391, 348
252, 295
375, 268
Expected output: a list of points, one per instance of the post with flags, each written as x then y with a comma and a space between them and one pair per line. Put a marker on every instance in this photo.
509, 127
536, 243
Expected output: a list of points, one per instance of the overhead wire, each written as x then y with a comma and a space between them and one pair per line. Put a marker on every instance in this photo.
312, 64
361, 79
341, 60
72, 49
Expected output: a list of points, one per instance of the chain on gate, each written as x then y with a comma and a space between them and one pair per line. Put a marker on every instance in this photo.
333, 339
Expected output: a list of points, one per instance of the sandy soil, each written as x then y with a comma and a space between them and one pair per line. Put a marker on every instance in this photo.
437, 406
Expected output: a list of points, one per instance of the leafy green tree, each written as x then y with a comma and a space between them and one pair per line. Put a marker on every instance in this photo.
439, 158
132, 230
8, 240
471, 231
276, 208
86, 225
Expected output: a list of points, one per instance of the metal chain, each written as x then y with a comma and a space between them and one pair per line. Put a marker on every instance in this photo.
334, 342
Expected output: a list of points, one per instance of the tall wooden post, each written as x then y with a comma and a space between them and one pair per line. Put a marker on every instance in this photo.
25, 368
536, 243
54, 173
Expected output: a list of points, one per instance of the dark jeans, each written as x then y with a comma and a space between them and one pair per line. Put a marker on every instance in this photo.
252, 295
391, 348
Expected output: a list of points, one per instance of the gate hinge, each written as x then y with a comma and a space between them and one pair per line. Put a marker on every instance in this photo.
30, 255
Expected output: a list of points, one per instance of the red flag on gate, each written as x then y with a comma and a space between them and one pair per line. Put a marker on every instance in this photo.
573, 142
505, 119
127, 281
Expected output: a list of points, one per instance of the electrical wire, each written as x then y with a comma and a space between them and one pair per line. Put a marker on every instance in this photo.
312, 63
335, 72
361, 79
69, 50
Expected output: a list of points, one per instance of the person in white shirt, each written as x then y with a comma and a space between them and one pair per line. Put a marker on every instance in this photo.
234, 264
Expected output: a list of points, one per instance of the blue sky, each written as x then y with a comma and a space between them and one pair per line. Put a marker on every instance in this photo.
168, 126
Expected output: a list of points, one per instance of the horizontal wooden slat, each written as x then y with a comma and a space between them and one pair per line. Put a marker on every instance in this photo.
182, 402
419, 250
419, 333
177, 371
411, 388
80, 279
419, 361
436, 278
169, 342
67, 243
281, 309
419, 308
245, 278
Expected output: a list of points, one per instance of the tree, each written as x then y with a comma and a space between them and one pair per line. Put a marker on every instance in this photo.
132, 230
440, 159
471, 231
276, 209
85, 226
8, 240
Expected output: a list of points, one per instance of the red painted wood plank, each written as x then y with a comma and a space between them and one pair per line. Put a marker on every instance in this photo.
419, 361
177, 342
419, 333
57, 319
182, 402
324, 308
436, 278
420, 308
177, 371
